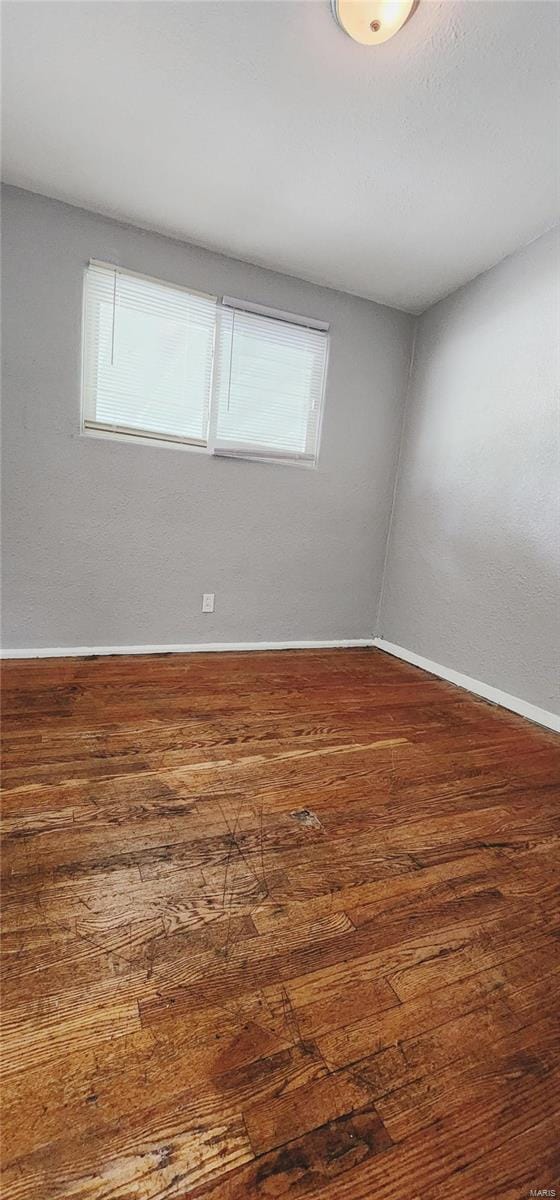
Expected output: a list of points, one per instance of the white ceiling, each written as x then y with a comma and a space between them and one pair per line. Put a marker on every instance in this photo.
259, 129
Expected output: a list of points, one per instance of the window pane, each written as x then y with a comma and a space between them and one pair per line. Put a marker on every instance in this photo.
148, 360
270, 383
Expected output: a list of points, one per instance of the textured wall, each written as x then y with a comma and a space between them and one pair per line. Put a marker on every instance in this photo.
111, 543
473, 569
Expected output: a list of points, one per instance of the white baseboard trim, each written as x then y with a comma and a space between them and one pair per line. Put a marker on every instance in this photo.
187, 648
522, 707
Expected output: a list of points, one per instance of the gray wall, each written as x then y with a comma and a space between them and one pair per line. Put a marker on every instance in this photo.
111, 543
473, 568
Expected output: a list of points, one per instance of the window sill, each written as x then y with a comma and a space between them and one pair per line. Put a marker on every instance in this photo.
140, 439
137, 439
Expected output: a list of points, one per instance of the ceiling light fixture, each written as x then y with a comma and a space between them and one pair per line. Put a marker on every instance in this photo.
371, 21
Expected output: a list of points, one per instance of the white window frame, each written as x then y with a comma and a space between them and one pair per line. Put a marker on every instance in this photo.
91, 428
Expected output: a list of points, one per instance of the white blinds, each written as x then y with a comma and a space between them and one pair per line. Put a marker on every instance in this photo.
268, 387
148, 351
165, 363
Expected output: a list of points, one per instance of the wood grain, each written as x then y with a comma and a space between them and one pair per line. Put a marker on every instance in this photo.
207, 994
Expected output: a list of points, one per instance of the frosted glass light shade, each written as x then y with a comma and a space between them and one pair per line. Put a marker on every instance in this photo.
371, 22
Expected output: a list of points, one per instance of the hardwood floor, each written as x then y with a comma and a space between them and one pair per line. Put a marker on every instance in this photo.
276, 925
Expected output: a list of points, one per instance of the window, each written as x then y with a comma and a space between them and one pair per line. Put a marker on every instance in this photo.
148, 352
268, 387
168, 364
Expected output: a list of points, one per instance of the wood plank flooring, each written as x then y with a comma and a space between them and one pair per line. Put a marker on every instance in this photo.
276, 925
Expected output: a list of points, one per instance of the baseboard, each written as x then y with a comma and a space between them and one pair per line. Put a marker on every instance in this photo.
513, 703
187, 648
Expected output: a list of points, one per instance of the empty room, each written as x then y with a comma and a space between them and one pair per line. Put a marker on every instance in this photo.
280, 588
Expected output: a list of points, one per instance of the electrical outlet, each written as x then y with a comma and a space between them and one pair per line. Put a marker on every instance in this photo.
208, 602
